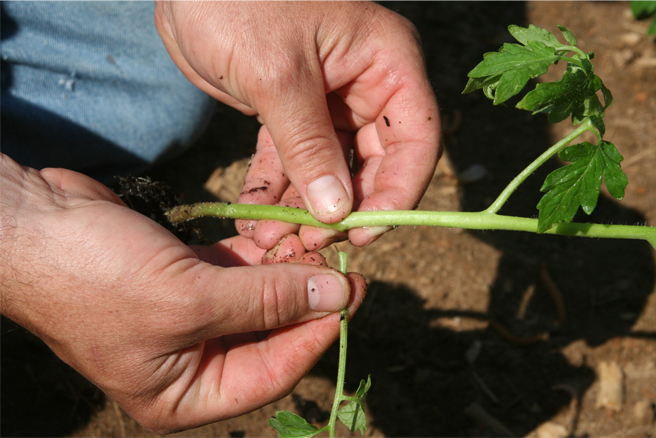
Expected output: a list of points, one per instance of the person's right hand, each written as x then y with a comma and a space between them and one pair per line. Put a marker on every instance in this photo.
316, 74
175, 339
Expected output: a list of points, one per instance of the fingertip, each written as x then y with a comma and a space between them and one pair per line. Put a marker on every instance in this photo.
314, 238
246, 227
288, 249
358, 291
268, 233
365, 236
328, 199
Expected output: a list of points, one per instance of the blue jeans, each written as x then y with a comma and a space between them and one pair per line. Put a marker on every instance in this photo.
89, 86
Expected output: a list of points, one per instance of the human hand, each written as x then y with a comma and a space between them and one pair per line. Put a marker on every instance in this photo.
175, 339
316, 74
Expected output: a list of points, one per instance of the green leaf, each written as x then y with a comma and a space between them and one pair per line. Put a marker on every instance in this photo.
569, 36
652, 28
514, 65
578, 183
353, 414
614, 177
476, 83
290, 425
599, 124
533, 33
363, 388
608, 96
643, 9
565, 97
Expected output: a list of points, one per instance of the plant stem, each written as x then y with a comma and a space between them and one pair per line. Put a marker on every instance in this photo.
510, 189
341, 368
483, 220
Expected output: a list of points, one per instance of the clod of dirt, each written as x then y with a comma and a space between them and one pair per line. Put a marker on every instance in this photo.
153, 199
549, 430
643, 413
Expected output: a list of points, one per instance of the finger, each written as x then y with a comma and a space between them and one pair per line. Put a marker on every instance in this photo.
296, 114
291, 250
315, 238
268, 232
251, 374
256, 298
288, 250
265, 180
398, 153
235, 251
313, 258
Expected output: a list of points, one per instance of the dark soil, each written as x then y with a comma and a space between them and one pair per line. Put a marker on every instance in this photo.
456, 323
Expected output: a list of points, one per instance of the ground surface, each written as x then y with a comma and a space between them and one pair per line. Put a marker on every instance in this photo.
428, 332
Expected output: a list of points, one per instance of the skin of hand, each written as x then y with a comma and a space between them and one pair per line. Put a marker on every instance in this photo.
327, 80
178, 336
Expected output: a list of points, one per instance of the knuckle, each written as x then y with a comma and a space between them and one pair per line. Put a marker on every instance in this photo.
277, 310
305, 150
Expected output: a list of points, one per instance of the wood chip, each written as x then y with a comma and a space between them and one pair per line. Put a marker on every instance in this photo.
611, 386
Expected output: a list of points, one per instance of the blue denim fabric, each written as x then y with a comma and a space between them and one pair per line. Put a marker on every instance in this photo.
89, 86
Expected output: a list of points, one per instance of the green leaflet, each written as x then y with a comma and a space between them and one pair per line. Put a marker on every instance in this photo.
290, 425
513, 65
353, 415
578, 183
645, 9
569, 36
533, 33
574, 95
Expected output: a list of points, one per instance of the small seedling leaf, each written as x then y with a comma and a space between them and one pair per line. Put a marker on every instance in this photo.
353, 414
578, 183
569, 36
290, 425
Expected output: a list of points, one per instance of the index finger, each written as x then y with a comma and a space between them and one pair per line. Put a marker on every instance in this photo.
398, 142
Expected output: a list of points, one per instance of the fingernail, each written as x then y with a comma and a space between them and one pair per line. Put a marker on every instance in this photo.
327, 292
326, 195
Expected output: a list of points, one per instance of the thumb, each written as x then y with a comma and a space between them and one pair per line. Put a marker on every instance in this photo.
255, 298
299, 122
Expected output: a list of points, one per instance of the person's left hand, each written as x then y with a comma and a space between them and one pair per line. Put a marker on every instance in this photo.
177, 336
316, 74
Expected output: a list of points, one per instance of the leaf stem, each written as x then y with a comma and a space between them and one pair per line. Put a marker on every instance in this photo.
341, 368
510, 189
574, 49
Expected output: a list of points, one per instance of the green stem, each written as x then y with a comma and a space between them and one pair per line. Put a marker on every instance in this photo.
341, 368
572, 60
483, 220
510, 189
574, 49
